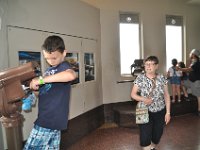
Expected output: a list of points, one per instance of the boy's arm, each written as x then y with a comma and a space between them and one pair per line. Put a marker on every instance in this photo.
64, 76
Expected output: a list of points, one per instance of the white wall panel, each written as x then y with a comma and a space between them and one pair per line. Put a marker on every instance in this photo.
93, 90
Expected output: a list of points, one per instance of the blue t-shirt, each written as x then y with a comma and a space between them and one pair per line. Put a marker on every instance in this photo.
54, 101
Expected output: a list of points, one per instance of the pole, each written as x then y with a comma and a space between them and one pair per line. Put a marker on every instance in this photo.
13, 130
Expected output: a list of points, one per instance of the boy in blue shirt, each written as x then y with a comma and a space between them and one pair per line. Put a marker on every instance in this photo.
53, 99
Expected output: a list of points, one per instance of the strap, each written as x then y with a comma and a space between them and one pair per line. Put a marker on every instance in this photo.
174, 74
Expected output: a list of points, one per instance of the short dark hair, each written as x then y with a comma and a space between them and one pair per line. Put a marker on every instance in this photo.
152, 58
53, 43
181, 64
174, 62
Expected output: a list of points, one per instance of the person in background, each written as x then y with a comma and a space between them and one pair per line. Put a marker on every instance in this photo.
193, 81
175, 80
184, 77
153, 92
53, 99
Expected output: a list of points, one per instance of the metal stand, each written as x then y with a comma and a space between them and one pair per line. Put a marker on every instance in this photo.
12, 127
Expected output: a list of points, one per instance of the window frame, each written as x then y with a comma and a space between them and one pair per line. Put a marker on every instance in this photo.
174, 20
135, 19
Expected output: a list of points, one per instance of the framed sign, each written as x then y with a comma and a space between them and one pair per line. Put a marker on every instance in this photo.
89, 66
28, 56
72, 58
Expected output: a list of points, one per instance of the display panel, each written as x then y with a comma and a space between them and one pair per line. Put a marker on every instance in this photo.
72, 58
89, 66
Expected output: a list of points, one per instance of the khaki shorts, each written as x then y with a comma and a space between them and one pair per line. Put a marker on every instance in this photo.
194, 86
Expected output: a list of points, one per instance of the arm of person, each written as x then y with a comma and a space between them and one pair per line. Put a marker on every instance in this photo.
168, 104
135, 96
168, 74
184, 69
64, 76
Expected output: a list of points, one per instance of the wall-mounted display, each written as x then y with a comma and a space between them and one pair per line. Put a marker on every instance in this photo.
72, 58
27, 56
89, 66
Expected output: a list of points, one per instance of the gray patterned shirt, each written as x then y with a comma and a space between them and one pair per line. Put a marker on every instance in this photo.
147, 89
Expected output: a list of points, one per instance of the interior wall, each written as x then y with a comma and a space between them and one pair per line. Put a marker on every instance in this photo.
152, 17
3, 35
3, 53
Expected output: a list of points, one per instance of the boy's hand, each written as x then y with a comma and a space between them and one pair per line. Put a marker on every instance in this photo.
34, 84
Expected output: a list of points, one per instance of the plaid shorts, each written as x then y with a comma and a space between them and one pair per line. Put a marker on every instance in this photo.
43, 139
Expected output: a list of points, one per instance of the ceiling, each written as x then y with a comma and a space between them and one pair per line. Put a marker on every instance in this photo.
195, 2
97, 2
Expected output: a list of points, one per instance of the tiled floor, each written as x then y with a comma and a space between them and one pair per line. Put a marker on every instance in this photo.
183, 133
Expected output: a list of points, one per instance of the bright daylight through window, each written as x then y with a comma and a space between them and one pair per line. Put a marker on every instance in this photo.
129, 42
174, 36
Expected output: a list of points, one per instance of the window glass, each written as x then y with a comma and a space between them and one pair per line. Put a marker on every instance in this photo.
174, 40
129, 42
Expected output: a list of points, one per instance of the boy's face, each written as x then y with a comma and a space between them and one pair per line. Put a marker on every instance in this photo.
54, 58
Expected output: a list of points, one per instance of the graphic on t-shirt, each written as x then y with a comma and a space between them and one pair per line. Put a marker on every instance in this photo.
45, 88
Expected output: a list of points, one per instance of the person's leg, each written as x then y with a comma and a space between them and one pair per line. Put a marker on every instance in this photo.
187, 85
34, 139
158, 127
40, 138
178, 91
173, 93
146, 134
184, 91
54, 142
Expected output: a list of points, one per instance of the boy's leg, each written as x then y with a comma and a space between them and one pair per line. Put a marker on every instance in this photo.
54, 142
41, 138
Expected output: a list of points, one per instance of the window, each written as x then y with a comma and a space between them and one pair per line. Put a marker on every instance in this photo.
129, 41
174, 39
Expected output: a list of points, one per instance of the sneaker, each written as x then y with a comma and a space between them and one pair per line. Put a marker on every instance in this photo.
173, 101
179, 100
